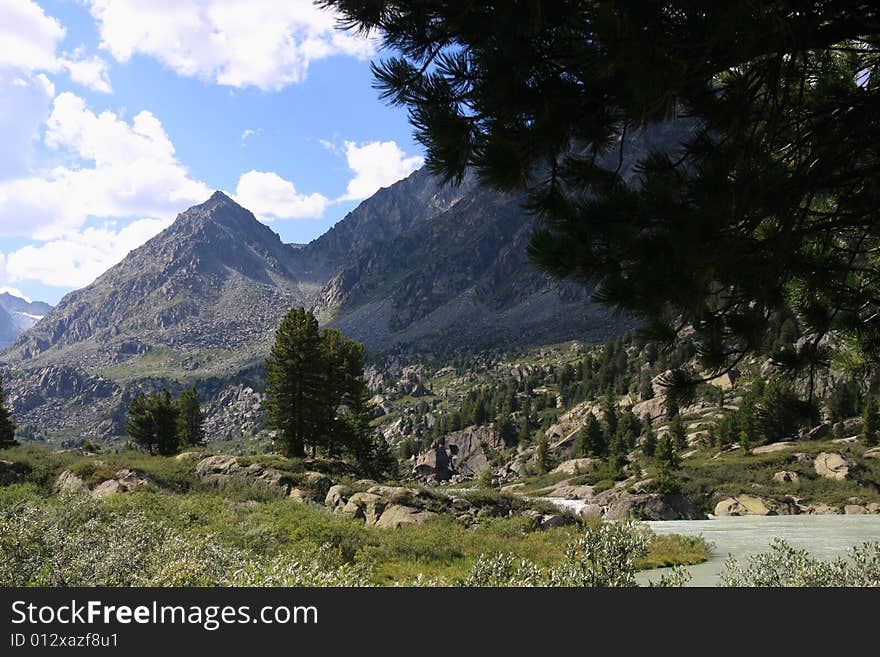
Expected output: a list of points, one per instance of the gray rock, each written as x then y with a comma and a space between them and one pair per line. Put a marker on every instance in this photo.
336, 497
397, 515
106, 489
785, 477
834, 465
67, 482
574, 467
365, 506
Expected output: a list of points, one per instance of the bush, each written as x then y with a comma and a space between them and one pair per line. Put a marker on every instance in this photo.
786, 566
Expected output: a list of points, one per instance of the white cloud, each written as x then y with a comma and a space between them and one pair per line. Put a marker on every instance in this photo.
5, 289
78, 258
269, 196
91, 72
134, 173
28, 37
267, 44
376, 164
248, 133
25, 100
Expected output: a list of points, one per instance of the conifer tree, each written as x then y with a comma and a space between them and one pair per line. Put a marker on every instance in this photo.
7, 424
713, 165
152, 423
296, 398
190, 423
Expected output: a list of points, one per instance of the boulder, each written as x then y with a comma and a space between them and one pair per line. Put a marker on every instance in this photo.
396, 515
459, 455
574, 467
819, 509
590, 511
365, 506
130, 481
750, 505
552, 520
873, 507
67, 482
854, 509
221, 470
336, 497
773, 447
785, 477
314, 486
189, 457
106, 489
818, 432
833, 465
873, 453
620, 504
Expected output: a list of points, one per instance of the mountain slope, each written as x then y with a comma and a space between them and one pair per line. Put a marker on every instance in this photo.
419, 266
217, 280
17, 315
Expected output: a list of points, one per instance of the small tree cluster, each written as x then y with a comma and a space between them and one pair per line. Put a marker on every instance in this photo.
317, 397
162, 426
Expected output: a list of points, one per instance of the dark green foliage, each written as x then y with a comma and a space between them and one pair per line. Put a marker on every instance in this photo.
152, 422
749, 213
7, 424
190, 430
542, 455
590, 440
870, 422
316, 394
845, 400
678, 433
297, 403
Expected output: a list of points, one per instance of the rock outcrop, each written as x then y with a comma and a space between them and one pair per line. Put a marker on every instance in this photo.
223, 470
834, 465
458, 456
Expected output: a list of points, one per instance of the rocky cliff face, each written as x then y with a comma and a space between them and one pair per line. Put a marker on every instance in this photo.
419, 265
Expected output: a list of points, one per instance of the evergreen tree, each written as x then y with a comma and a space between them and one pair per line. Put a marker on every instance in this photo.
870, 421
591, 438
677, 433
152, 423
762, 205
316, 395
190, 429
296, 398
7, 424
542, 454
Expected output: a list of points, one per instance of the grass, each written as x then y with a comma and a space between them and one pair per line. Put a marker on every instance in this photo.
246, 518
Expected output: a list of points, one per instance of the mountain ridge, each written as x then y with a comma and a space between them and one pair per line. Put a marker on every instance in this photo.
420, 266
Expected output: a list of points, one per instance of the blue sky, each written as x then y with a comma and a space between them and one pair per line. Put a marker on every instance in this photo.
118, 114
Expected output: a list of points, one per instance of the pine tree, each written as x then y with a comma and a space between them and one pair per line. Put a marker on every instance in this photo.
542, 454
190, 429
296, 401
870, 421
7, 424
152, 423
678, 434
592, 438
756, 197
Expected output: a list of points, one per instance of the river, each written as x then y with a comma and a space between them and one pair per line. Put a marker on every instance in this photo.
824, 536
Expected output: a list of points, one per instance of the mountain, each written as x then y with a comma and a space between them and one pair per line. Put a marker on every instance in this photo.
420, 267
17, 315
